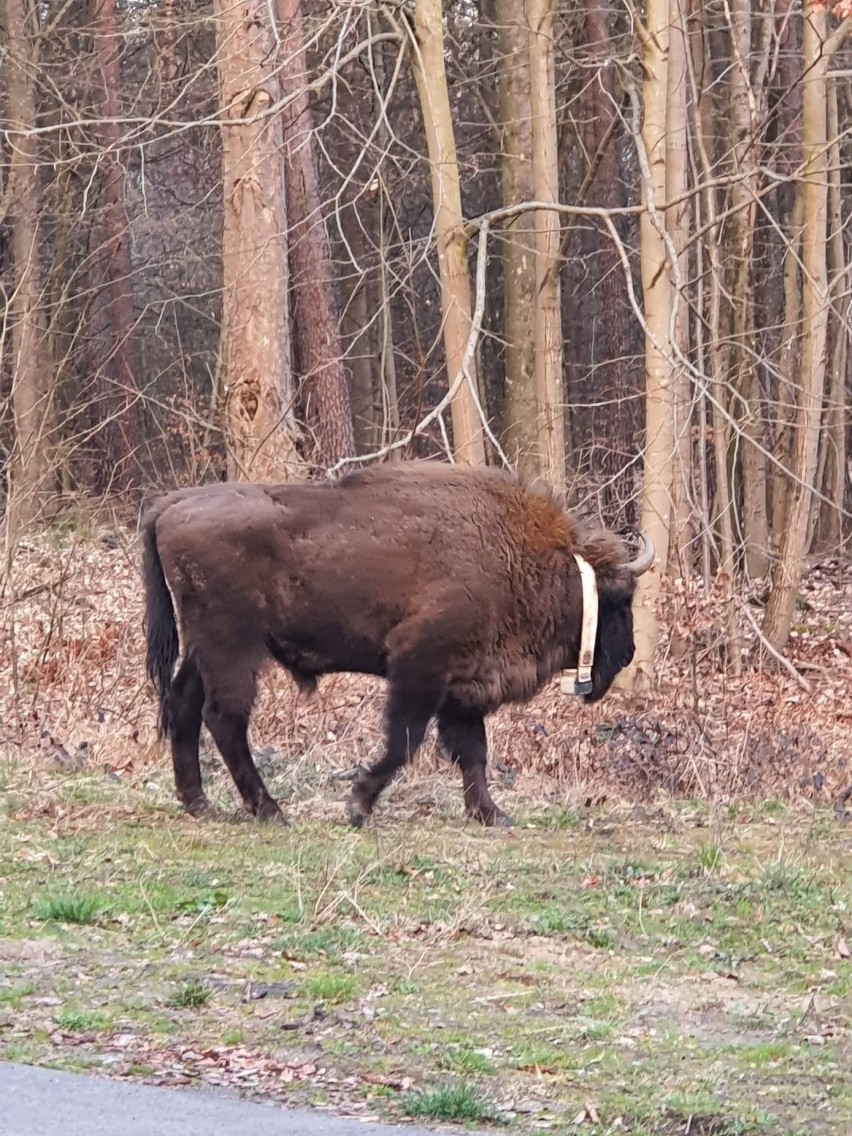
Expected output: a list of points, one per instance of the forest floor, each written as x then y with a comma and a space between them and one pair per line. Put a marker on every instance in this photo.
660, 945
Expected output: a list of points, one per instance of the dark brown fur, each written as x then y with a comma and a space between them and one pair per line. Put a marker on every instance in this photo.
459, 586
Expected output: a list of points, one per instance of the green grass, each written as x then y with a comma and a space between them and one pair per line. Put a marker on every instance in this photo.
81, 1021
710, 857
13, 996
451, 1102
472, 976
73, 907
192, 995
467, 1062
331, 987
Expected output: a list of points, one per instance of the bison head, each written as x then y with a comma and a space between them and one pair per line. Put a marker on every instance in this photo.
614, 645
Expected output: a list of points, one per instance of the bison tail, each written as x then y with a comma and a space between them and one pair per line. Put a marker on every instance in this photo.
161, 632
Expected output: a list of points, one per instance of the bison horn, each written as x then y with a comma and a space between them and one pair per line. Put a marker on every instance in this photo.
645, 558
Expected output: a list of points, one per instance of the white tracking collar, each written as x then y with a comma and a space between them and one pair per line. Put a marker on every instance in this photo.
579, 681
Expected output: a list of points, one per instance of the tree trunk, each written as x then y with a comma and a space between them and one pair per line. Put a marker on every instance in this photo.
788, 568
745, 110
114, 299
830, 532
520, 406
259, 400
788, 115
788, 365
316, 322
677, 224
614, 391
32, 388
723, 514
548, 309
657, 291
360, 335
431, 78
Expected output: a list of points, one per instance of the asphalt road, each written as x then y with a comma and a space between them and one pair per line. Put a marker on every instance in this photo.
43, 1102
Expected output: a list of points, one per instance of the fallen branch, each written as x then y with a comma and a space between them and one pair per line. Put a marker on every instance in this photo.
785, 663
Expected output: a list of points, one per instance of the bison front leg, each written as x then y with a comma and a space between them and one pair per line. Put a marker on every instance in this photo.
462, 735
410, 707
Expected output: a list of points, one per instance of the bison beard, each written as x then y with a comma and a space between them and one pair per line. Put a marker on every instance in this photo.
458, 586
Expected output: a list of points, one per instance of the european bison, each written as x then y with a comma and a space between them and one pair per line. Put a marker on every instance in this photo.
459, 586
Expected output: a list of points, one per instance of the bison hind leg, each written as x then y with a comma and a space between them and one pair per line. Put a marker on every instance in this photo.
461, 737
227, 708
186, 699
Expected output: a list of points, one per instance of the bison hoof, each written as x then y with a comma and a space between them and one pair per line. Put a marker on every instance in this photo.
200, 807
493, 818
270, 813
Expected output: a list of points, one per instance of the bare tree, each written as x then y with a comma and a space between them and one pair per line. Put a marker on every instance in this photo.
316, 322
430, 74
548, 313
818, 47
677, 225
520, 408
833, 479
259, 396
113, 321
608, 192
658, 294
31, 380
747, 109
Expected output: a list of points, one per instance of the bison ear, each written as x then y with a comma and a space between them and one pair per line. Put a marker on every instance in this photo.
603, 550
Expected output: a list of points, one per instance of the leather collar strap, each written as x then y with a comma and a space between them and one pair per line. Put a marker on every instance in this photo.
579, 681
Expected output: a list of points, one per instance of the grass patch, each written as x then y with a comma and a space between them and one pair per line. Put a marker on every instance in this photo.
331, 943
81, 1021
710, 858
192, 995
460, 1102
13, 996
331, 987
73, 907
468, 1062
